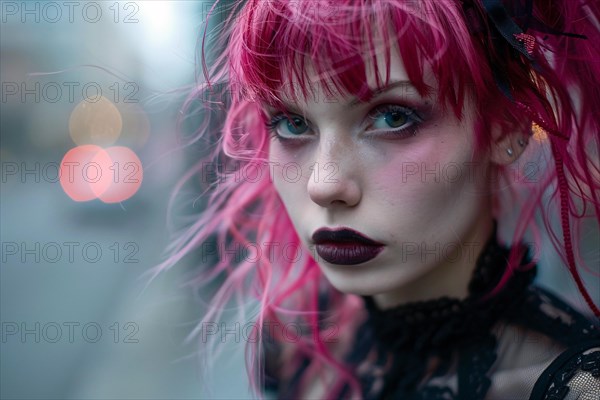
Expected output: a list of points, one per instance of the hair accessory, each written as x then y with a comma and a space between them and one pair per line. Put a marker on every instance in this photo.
515, 35
527, 40
521, 142
513, 29
509, 151
507, 27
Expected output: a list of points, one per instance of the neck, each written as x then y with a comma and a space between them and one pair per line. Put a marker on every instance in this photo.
450, 277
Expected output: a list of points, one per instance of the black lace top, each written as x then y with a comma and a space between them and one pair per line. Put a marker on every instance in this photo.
524, 343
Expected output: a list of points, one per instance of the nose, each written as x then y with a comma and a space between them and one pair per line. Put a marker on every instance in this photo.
334, 176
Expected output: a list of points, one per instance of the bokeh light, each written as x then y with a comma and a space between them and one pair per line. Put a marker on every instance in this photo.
90, 172
123, 172
81, 172
95, 121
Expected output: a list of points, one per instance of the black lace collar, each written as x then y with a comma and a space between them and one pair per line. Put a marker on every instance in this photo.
430, 325
405, 337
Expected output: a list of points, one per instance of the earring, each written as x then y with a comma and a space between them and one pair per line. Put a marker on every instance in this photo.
509, 151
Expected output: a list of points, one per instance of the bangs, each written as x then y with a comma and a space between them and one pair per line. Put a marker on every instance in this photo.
282, 48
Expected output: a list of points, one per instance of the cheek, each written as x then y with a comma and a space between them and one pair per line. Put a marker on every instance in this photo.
289, 177
289, 192
276, 160
436, 179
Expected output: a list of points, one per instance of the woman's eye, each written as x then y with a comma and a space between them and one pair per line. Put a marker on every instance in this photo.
391, 119
394, 119
387, 120
283, 126
296, 125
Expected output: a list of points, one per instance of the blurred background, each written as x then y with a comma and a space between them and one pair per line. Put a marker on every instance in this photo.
78, 321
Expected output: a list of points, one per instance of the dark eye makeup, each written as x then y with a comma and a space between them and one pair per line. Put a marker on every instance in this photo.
390, 121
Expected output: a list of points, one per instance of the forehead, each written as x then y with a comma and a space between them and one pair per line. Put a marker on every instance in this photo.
321, 86
281, 53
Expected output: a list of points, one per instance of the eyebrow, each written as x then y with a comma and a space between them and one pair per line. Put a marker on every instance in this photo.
374, 92
378, 91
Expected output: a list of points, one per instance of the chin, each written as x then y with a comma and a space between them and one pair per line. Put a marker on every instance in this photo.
361, 285
385, 279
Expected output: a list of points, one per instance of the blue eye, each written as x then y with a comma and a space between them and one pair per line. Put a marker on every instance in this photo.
296, 125
394, 119
282, 126
388, 120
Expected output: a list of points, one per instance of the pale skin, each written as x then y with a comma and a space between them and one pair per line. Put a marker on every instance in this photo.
400, 171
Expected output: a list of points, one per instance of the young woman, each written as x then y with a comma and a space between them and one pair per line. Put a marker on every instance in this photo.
384, 172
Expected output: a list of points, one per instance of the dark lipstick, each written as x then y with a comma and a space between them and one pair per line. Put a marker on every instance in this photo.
345, 246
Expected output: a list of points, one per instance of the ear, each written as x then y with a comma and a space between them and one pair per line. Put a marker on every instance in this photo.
508, 147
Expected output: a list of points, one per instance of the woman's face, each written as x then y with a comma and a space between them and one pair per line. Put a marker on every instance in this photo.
399, 171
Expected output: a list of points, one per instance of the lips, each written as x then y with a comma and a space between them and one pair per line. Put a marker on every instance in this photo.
345, 246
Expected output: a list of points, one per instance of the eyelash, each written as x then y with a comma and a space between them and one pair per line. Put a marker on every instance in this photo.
273, 123
414, 121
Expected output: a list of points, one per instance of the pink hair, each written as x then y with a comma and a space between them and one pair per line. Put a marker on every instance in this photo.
264, 43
